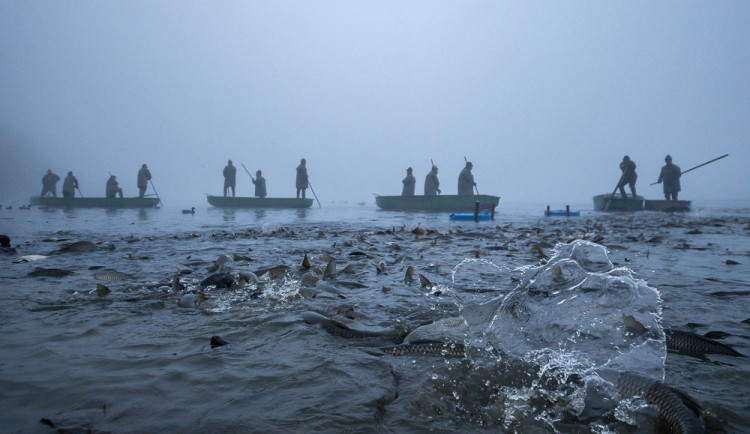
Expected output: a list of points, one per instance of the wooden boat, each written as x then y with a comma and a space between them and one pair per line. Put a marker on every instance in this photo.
668, 205
257, 202
94, 202
618, 203
440, 203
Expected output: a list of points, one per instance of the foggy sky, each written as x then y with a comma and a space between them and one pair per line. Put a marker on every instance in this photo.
544, 98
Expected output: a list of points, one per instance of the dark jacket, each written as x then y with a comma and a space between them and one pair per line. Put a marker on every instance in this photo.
409, 183
70, 184
670, 175
112, 187
230, 175
144, 176
628, 171
260, 186
301, 177
431, 183
466, 182
49, 180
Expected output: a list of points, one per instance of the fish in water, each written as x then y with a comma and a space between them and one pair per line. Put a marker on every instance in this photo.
49, 272
350, 284
220, 263
349, 269
110, 275
691, 344
409, 276
248, 276
340, 329
679, 412
680, 342
427, 348
218, 341
425, 282
102, 290
330, 271
78, 246
29, 258
273, 272
220, 280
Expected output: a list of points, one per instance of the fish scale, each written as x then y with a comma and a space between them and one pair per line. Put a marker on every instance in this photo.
448, 350
108, 276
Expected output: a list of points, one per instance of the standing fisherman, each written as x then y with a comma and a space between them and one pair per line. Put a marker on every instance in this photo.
466, 181
628, 176
431, 183
144, 176
670, 174
49, 183
409, 183
230, 177
302, 182
260, 184
69, 185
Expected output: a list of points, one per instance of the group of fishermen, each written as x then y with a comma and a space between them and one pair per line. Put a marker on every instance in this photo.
466, 184
230, 180
669, 177
70, 185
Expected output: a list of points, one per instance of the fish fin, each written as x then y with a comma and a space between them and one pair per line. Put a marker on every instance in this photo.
424, 281
633, 326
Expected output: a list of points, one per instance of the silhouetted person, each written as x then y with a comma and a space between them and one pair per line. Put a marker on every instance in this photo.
260, 184
144, 176
69, 185
113, 188
466, 181
5, 247
230, 177
302, 182
431, 183
628, 176
409, 183
670, 174
49, 183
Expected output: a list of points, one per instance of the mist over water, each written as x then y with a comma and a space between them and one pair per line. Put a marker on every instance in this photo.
544, 99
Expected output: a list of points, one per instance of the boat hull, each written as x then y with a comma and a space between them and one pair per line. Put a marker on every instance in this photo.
668, 205
257, 202
94, 202
440, 203
618, 203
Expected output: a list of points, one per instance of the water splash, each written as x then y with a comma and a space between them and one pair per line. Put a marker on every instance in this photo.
561, 323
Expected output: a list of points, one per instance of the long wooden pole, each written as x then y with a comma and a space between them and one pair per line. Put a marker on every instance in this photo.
248, 172
700, 165
613, 192
157, 193
313, 192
